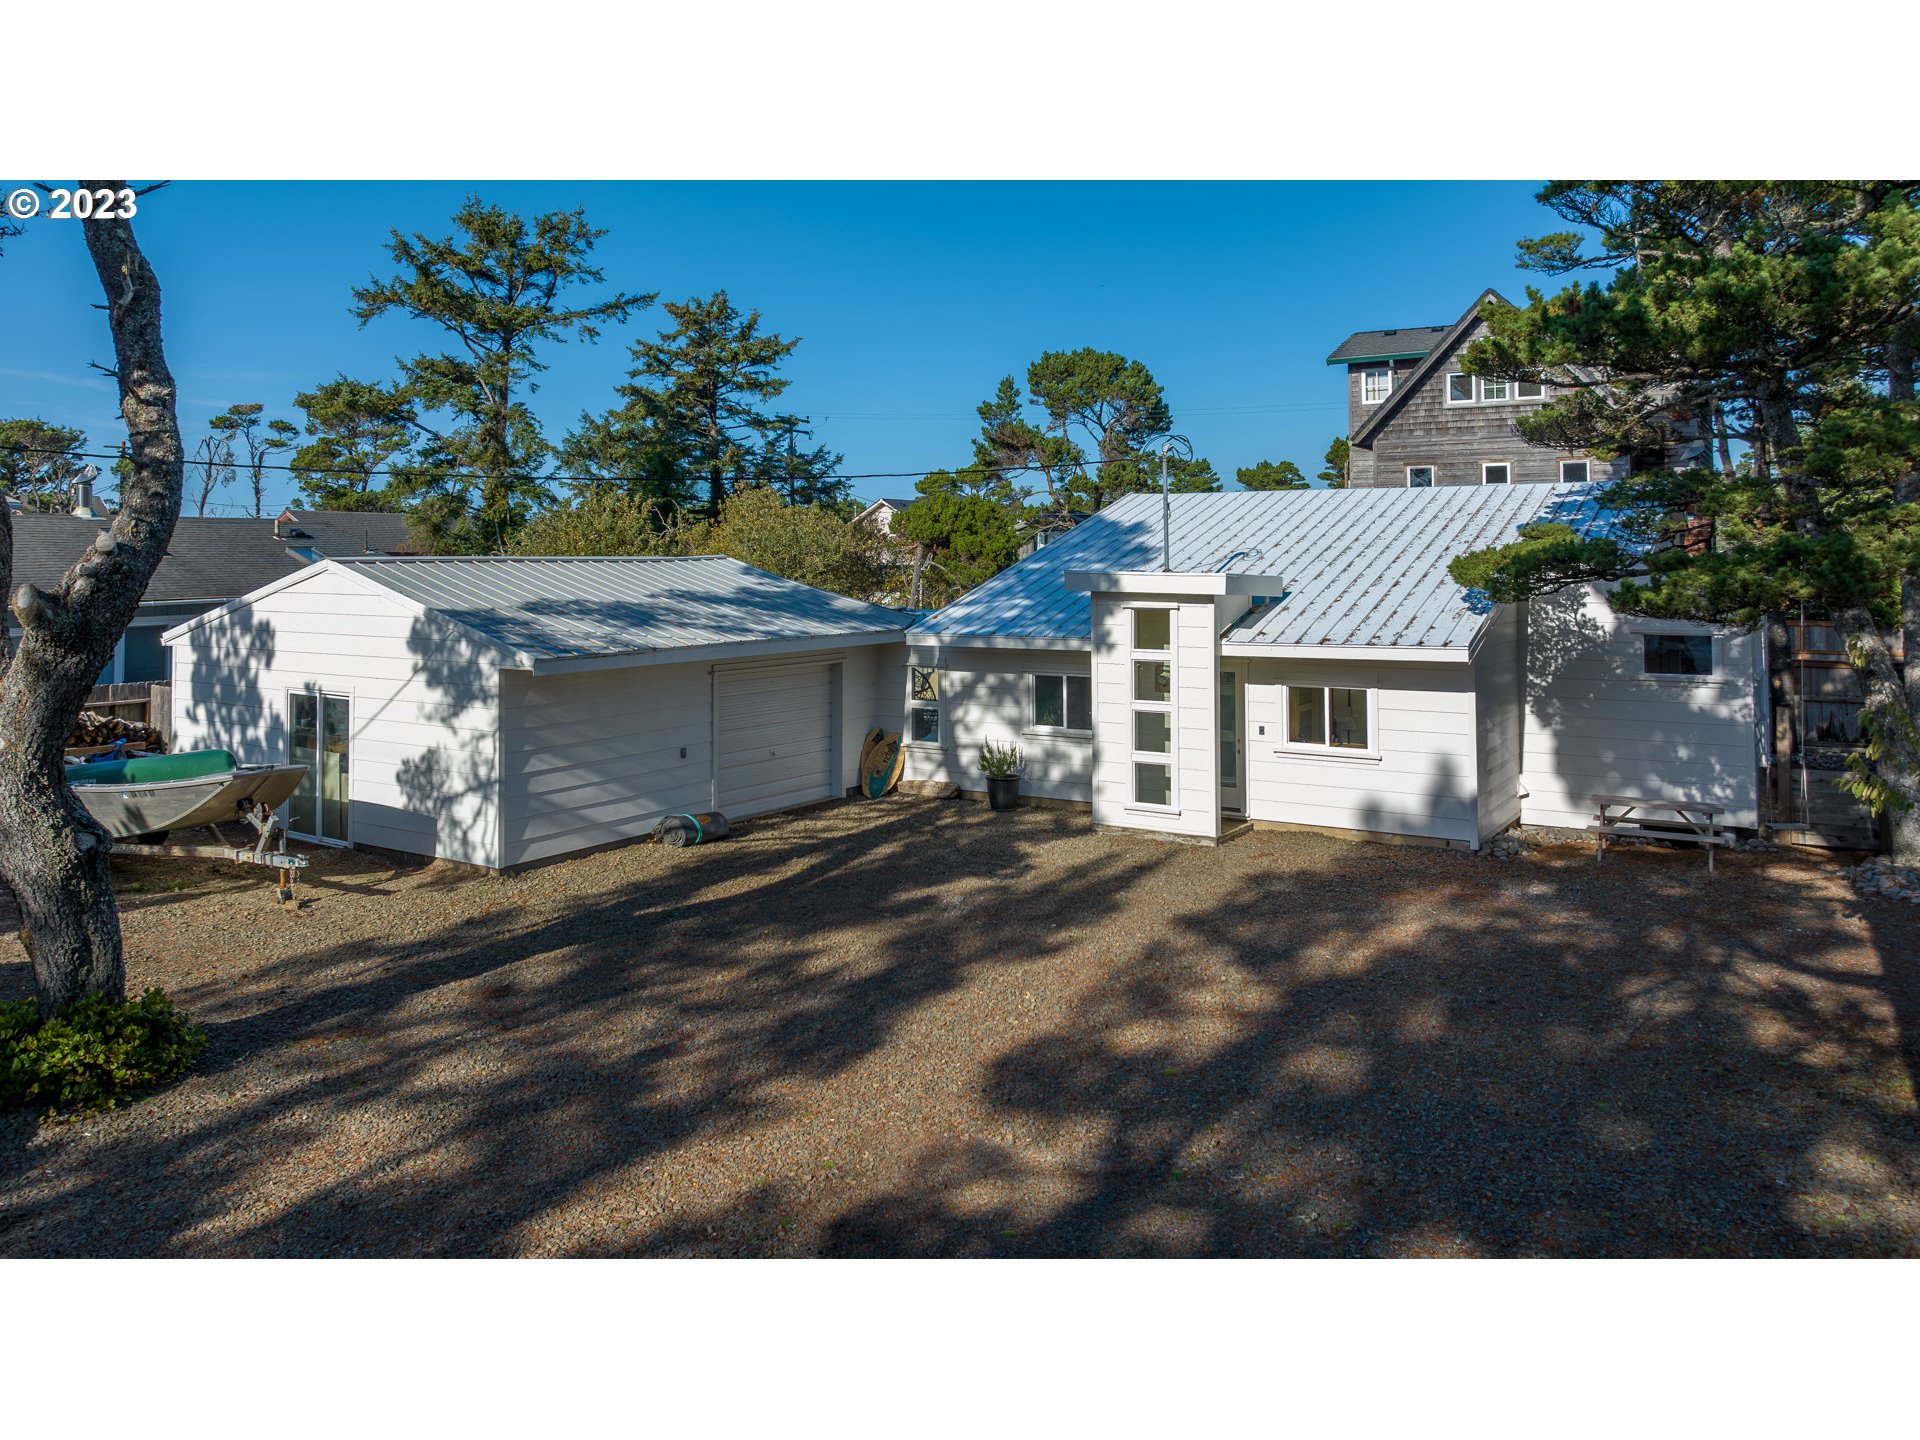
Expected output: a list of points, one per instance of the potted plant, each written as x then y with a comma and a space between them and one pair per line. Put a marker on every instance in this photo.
1001, 765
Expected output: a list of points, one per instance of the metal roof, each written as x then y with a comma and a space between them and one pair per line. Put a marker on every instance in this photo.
1361, 567
574, 608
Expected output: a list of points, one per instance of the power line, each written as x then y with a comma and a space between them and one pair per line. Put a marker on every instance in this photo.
555, 479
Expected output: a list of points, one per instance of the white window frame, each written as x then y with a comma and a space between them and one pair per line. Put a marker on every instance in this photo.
1586, 465
1383, 372
1433, 474
320, 694
1328, 750
1539, 389
938, 705
1486, 465
1716, 652
1473, 388
1033, 725
1169, 707
1480, 384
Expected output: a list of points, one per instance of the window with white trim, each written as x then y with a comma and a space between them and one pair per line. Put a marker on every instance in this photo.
1150, 721
923, 705
1334, 718
1420, 477
1375, 386
1493, 390
1676, 655
1496, 472
1459, 389
1064, 703
1574, 472
1529, 390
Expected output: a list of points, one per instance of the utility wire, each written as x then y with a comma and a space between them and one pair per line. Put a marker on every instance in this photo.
559, 479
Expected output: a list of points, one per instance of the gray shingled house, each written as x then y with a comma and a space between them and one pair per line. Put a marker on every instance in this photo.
1416, 418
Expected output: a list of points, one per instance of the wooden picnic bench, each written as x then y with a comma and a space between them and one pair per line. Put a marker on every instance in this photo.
1689, 822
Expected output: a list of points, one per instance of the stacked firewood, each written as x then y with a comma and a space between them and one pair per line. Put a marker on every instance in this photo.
93, 729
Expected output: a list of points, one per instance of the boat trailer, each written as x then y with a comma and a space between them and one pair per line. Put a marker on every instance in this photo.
267, 849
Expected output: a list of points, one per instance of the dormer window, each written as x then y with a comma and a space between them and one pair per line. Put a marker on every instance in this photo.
1375, 386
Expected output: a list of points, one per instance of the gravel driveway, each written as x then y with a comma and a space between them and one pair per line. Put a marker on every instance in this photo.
919, 1028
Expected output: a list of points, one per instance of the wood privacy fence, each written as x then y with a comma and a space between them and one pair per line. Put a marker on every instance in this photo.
145, 702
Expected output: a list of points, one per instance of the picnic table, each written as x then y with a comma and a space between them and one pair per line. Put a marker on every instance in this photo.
1689, 822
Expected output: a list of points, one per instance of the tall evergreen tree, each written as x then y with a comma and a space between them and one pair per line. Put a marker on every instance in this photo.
1120, 416
699, 393
1790, 313
496, 288
358, 434
254, 444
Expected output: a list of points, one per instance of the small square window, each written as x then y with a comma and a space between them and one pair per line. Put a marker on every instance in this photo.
926, 682
1152, 784
1529, 390
1152, 629
1573, 472
1153, 732
1375, 386
1419, 477
925, 721
1459, 389
1152, 680
1493, 389
1677, 654
1498, 473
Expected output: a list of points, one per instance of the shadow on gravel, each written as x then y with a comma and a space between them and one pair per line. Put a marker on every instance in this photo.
1525, 1060
1316, 1049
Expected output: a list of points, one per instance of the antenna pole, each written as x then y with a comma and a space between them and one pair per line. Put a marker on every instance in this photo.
1166, 513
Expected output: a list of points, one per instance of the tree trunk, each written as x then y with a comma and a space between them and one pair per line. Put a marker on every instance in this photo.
52, 853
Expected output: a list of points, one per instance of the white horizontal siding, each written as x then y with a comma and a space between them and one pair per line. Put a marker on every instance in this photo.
1594, 725
988, 695
422, 704
1422, 784
1497, 720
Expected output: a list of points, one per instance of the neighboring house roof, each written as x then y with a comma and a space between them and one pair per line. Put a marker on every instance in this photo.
340, 533
207, 559
1409, 342
1443, 346
1360, 567
556, 609
210, 558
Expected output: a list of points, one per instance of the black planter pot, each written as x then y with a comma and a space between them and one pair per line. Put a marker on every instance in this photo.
1003, 794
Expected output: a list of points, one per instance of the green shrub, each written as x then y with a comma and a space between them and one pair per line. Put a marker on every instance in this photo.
999, 762
94, 1051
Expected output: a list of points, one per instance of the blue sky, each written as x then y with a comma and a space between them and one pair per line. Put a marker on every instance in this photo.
912, 299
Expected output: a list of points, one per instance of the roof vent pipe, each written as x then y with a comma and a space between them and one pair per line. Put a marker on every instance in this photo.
83, 493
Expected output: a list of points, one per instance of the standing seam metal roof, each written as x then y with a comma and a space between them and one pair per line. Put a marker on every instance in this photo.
620, 605
1360, 567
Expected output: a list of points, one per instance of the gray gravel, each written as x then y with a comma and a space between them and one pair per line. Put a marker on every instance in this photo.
916, 1027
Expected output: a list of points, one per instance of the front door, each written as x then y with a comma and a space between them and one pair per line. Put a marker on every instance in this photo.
1233, 791
317, 737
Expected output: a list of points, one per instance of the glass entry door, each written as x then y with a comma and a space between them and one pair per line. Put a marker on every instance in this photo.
1232, 781
317, 738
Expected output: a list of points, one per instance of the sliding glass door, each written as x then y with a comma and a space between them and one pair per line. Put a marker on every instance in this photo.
317, 737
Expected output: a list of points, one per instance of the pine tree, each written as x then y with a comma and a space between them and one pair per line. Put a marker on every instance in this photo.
1271, 475
496, 288
1333, 470
1783, 316
358, 433
39, 462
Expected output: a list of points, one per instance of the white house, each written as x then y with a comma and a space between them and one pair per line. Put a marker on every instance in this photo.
1302, 658
500, 711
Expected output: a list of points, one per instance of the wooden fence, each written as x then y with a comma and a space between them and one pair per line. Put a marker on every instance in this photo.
145, 702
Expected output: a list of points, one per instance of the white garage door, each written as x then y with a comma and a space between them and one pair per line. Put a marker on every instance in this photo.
776, 737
